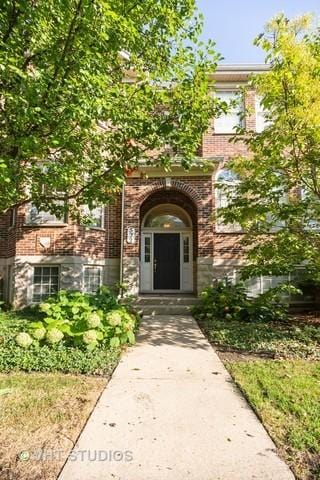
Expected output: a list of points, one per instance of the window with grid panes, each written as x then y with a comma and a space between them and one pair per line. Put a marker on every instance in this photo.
45, 282
92, 279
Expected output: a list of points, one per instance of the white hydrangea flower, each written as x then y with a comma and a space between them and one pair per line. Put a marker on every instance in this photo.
114, 318
90, 336
93, 320
39, 333
54, 335
23, 339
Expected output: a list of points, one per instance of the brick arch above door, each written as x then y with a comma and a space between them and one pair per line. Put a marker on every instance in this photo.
175, 197
197, 195
173, 184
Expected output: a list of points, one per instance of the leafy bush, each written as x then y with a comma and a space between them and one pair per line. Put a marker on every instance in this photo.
222, 300
81, 320
226, 301
271, 305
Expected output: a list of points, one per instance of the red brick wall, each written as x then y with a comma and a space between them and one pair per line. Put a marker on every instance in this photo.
4, 232
196, 190
113, 229
227, 246
196, 196
65, 240
73, 239
220, 145
7, 236
177, 198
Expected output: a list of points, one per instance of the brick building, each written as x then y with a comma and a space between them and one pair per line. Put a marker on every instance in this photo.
158, 236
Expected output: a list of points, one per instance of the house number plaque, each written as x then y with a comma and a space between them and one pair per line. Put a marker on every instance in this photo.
131, 235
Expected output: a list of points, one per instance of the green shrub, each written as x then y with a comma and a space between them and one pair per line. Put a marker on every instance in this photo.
271, 305
57, 358
226, 301
79, 319
222, 300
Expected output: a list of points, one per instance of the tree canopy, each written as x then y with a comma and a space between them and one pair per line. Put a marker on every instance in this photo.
89, 88
277, 202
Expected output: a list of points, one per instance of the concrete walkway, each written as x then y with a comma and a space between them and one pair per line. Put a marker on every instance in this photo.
173, 408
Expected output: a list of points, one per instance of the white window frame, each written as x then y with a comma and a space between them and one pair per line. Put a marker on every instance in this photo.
42, 284
90, 212
260, 113
88, 268
51, 220
274, 281
13, 217
221, 125
147, 268
221, 227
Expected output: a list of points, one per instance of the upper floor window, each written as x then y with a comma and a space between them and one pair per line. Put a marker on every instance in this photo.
95, 216
226, 123
41, 217
226, 184
261, 120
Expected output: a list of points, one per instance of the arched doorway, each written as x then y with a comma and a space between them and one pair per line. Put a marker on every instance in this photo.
166, 250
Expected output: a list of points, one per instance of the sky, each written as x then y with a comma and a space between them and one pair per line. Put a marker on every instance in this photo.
234, 24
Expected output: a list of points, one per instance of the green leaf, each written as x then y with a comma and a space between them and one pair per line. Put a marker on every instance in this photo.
100, 335
114, 342
131, 337
36, 325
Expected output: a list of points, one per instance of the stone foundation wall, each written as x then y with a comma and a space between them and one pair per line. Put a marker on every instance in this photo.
70, 278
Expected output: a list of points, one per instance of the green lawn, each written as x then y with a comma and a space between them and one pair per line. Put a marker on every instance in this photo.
43, 411
286, 396
277, 366
42, 414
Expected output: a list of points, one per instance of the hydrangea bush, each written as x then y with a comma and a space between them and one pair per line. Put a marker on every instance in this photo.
82, 320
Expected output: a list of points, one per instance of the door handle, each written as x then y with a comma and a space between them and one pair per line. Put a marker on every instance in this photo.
155, 265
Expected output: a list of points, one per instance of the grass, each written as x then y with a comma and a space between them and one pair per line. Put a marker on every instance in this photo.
61, 358
279, 340
277, 366
286, 396
42, 414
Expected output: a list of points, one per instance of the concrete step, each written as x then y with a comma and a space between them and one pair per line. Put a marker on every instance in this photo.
165, 309
166, 300
165, 304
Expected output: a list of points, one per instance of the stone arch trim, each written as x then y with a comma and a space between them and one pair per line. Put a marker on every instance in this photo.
176, 185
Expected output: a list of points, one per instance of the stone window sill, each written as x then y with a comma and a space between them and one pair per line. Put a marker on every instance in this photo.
45, 225
99, 229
